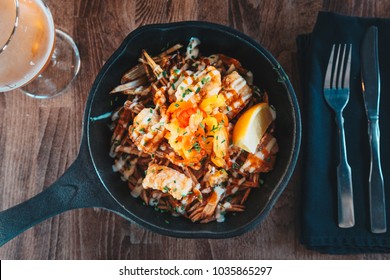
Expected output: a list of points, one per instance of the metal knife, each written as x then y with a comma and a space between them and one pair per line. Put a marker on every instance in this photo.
371, 93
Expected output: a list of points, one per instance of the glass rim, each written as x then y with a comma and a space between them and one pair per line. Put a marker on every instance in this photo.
2, 48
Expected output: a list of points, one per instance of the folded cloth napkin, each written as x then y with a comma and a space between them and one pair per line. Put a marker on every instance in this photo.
320, 150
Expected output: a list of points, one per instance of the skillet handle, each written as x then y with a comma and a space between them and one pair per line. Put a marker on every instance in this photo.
76, 188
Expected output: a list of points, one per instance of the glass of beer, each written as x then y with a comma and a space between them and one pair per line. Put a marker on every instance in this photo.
35, 57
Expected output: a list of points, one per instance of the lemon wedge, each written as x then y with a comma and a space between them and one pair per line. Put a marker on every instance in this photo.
252, 125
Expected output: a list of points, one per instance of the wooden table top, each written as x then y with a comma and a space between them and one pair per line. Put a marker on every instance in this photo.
43, 136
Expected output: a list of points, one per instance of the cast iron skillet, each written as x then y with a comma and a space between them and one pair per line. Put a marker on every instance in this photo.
90, 181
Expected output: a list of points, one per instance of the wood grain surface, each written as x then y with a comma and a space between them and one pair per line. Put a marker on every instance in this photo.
39, 139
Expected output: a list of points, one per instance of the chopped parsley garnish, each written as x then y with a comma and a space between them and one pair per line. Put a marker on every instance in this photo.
187, 91
261, 182
214, 128
205, 80
142, 130
195, 147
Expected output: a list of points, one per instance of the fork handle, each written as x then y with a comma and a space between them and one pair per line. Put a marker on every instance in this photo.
346, 216
376, 184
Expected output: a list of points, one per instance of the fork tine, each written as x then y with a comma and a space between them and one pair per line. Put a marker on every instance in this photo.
337, 70
341, 73
348, 68
328, 74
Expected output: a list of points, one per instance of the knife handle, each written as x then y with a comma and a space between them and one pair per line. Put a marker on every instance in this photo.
376, 184
346, 215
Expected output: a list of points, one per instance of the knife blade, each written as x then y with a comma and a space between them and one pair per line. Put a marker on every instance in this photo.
371, 93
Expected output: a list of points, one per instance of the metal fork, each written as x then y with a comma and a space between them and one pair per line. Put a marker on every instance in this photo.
336, 92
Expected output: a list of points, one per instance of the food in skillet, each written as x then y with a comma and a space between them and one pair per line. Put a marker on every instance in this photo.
194, 134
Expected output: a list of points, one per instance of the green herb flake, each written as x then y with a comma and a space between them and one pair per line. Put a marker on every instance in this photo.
205, 80
142, 130
261, 182
196, 147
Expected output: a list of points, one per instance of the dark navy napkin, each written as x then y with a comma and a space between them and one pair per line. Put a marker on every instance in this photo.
320, 151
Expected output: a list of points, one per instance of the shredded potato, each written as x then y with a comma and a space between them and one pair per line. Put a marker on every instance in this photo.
172, 138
